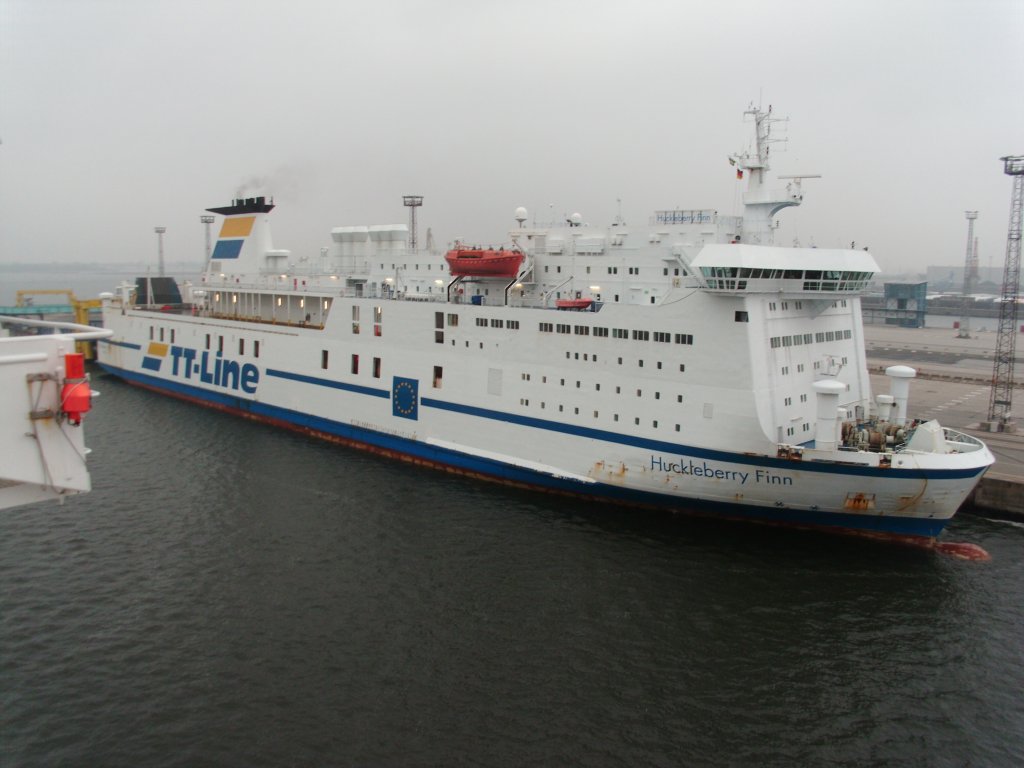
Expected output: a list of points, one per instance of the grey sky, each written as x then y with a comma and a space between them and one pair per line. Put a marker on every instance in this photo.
119, 115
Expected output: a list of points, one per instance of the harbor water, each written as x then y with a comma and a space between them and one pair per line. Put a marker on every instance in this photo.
234, 595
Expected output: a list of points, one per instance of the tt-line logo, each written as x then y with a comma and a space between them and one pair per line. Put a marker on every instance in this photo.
204, 366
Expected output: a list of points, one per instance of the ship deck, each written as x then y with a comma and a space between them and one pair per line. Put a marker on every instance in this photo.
953, 386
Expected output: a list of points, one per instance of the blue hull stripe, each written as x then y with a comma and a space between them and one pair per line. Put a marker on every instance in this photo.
642, 442
703, 453
372, 392
125, 344
889, 525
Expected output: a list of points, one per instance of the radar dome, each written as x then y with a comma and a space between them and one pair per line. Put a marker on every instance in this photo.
520, 214
576, 219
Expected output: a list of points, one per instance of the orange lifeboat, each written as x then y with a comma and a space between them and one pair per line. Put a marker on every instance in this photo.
483, 262
578, 304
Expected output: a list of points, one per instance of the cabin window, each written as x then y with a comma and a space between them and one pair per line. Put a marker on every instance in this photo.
220, 344
355, 363
376, 367
241, 347
439, 337
742, 316
355, 318
256, 349
439, 319
207, 341
323, 359
161, 334
453, 320
172, 335
438, 373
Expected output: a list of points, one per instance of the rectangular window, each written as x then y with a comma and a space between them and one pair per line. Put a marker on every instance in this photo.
220, 344
742, 316
684, 338
376, 367
172, 335
438, 372
207, 341
439, 319
241, 347
355, 318
323, 359
161, 334
453, 320
641, 335
355, 363
256, 349
581, 330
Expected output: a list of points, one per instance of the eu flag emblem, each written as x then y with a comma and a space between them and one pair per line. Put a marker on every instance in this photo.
405, 395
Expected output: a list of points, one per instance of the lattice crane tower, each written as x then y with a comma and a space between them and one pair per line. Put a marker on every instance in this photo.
999, 410
970, 278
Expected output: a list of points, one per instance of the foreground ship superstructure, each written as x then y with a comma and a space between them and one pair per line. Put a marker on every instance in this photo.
687, 363
46, 395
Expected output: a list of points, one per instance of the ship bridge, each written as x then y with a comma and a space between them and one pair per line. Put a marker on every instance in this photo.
744, 269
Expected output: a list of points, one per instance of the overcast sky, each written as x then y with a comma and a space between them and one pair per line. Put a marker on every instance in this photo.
120, 115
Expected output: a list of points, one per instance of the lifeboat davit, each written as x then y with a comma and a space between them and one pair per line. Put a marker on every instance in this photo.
483, 262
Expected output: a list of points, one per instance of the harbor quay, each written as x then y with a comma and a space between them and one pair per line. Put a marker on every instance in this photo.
953, 385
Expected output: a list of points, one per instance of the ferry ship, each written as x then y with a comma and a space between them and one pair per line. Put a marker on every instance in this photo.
687, 364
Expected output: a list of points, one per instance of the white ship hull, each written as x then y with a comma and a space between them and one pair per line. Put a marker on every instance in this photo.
508, 437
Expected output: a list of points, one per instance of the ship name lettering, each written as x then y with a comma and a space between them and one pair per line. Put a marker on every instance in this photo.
230, 374
694, 469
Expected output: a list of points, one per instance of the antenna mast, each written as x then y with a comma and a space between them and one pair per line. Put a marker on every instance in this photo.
970, 278
1000, 415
